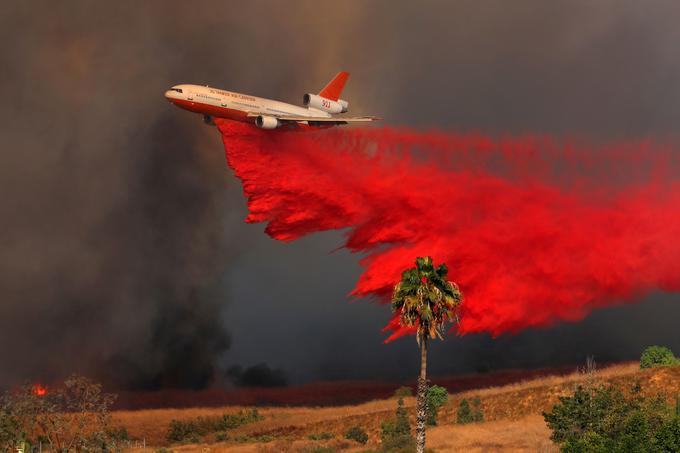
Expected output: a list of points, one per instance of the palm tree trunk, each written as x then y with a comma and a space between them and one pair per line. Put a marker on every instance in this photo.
421, 404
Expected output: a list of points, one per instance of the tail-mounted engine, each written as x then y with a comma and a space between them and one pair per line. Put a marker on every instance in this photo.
318, 102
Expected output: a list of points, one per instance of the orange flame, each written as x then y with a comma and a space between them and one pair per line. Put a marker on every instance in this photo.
39, 390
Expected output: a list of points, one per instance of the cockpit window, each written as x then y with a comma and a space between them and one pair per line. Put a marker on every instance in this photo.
179, 90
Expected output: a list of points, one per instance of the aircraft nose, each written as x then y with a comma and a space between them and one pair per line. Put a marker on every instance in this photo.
168, 94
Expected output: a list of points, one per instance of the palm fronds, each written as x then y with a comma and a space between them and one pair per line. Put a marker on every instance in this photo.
425, 300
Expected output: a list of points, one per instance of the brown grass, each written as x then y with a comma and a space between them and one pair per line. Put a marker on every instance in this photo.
317, 393
513, 414
528, 434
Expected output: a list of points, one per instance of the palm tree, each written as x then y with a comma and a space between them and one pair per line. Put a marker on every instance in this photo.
425, 301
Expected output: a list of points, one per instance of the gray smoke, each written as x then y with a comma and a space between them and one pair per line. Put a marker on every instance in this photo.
113, 211
260, 375
123, 252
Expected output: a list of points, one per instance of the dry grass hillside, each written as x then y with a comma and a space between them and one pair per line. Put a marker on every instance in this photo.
512, 413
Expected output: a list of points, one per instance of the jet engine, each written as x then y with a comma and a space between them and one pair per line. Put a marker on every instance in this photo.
318, 102
266, 122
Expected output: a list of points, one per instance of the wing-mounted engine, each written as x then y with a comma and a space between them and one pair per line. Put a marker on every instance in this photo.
321, 103
267, 122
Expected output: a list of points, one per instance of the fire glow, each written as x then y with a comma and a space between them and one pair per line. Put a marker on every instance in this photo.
39, 390
532, 230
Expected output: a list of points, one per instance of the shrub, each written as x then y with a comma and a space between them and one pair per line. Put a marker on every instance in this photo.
61, 412
180, 431
477, 414
402, 424
575, 415
357, 433
667, 437
436, 397
604, 419
119, 433
464, 413
467, 414
591, 442
403, 392
321, 436
407, 449
242, 417
397, 435
655, 356
9, 428
192, 430
636, 434
321, 450
260, 438
263, 438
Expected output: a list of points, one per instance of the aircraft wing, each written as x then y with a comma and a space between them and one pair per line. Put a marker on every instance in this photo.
322, 119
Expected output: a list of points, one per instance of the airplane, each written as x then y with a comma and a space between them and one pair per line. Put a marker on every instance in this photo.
319, 111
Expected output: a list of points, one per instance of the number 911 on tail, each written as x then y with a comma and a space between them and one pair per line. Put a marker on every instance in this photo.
320, 110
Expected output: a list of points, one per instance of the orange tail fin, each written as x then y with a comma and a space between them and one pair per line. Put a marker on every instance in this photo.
334, 88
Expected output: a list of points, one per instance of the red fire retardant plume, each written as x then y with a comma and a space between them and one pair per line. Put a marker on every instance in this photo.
533, 231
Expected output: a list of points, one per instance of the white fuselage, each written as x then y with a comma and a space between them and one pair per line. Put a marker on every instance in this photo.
219, 103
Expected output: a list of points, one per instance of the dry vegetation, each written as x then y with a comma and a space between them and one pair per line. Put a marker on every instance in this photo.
513, 414
317, 393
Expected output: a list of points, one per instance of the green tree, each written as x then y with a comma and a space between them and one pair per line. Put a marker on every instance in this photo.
10, 432
71, 417
605, 419
636, 436
424, 300
477, 414
396, 436
655, 356
464, 413
436, 397
585, 411
667, 437
590, 442
403, 392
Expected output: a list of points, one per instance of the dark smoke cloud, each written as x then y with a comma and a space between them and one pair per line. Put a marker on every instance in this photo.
260, 375
113, 219
123, 253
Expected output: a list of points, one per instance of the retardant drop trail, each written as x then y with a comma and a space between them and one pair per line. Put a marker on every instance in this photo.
533, 232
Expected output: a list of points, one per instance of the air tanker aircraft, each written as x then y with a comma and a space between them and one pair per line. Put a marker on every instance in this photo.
266, 113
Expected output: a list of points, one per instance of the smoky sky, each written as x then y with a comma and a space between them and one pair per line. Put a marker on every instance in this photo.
124, 252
